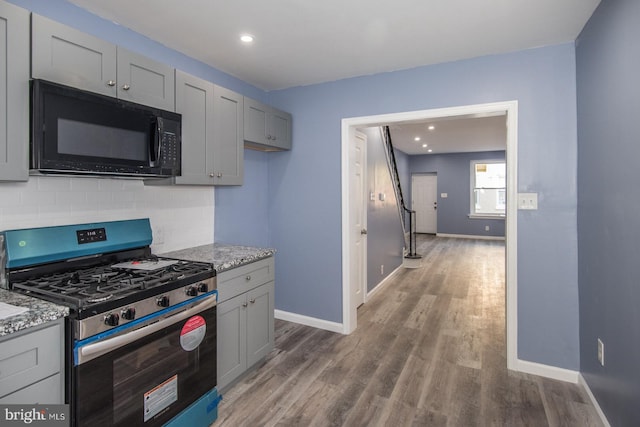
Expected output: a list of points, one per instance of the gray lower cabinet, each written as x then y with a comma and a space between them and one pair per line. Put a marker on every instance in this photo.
64, 55
266, 128
212, 146
245, 318
14, 90
31, 365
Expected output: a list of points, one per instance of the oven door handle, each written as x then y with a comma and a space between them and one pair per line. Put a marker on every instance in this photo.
92, 351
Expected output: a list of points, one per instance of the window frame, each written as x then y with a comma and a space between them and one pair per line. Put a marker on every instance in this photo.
472, 187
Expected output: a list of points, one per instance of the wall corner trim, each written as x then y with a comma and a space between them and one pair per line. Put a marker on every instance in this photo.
547, 371
309, 321
599, 410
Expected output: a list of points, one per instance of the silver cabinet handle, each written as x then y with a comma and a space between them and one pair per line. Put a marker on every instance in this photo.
126, 87
212, 174
248, 277
244, 305
252, 300
219, 174
111, 83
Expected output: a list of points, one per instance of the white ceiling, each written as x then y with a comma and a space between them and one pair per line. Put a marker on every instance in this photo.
451, 135
302, 42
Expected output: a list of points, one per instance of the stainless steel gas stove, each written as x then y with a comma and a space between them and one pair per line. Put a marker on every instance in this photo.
141, 334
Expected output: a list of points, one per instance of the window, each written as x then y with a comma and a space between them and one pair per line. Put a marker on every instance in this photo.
488, 188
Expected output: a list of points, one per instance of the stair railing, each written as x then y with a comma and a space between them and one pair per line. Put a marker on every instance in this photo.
402, 208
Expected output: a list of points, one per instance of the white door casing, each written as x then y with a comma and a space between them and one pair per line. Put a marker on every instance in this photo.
349, 314
358, 221
424, 200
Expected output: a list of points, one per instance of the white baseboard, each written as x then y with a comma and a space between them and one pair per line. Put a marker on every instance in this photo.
599, 410
309, 321
380, 285
470, 236
547, 371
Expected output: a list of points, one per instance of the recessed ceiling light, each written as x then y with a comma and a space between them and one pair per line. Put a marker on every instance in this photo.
429, 150
417, 138
424, 145
246, 38
431, 127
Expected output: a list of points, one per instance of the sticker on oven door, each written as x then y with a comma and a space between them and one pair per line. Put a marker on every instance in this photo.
160, 397
193, 333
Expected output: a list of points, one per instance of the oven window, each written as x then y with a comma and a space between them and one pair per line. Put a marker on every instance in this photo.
148, 368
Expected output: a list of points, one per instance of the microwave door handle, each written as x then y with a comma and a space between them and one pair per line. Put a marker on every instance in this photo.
156, 145
91, 351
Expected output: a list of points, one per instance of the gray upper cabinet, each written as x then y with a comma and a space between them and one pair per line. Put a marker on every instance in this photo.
266, 128
70, 57
67, 56
228, 147
212, 147
14, 90
145, 81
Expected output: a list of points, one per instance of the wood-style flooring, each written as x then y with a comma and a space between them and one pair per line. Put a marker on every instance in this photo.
429, 350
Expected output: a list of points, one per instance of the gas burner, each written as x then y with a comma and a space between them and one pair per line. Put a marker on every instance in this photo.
99, 299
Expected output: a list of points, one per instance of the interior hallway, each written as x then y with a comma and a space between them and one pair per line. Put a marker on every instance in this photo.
429, 350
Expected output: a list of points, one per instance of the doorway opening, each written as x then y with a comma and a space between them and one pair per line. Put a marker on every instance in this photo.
349, 126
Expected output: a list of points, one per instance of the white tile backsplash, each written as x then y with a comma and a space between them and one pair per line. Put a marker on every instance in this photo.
181, 217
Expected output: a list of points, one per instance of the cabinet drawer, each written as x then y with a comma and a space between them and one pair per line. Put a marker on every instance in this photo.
242, 279
30, 357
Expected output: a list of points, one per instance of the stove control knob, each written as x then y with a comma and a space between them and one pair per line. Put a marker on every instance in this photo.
163, 301
191, 291
202, 287
111, 319
128, 313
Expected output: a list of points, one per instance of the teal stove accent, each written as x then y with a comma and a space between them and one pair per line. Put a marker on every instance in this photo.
35, 246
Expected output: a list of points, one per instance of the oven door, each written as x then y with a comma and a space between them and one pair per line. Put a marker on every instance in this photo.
147, 373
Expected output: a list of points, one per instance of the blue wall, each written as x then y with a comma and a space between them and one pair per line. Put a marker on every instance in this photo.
543, 82
608, 60
453, 172
385, 240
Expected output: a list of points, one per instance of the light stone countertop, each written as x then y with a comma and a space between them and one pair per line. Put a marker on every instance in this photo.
223, 256
40, 312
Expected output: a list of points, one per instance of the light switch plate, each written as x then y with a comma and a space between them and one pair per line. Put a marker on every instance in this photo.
444, 195
528, 201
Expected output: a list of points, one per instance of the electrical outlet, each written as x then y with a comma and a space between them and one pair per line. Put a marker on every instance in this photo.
600, 352
487, 228
382, 269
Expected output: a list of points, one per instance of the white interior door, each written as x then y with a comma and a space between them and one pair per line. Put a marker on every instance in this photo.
424, 200
358, 220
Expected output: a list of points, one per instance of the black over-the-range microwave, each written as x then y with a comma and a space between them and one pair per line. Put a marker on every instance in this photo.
78, 132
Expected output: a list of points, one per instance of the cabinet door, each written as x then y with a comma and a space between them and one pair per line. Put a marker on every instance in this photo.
194, 100
14, 90
228, 145
145, 81
260, 327
280, 131
255, 121
232, 339
70, 57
